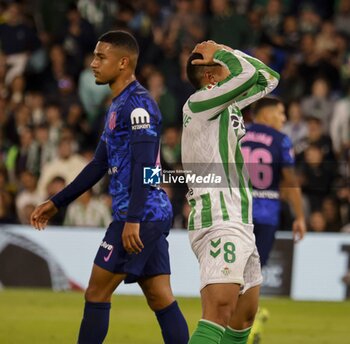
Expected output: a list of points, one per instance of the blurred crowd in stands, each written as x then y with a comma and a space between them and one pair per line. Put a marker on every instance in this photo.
51, 111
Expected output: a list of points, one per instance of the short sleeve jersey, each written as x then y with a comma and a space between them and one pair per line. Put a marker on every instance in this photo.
266, 151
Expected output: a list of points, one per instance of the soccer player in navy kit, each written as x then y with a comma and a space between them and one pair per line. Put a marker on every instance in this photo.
269, 158
134, 248
268, 154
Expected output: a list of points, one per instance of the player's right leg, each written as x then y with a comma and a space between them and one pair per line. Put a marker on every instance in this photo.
107, 273
218, 303
94, 326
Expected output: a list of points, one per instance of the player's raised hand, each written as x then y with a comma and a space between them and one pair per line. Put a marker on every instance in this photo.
131, 238
299, 229
42, 214
207, 49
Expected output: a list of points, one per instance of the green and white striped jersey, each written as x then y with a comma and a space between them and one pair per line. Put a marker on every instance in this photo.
212, 128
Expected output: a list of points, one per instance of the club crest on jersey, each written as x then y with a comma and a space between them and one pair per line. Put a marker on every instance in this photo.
140, 119
112, 122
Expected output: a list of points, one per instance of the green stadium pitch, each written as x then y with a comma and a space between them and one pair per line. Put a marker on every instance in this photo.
45, 317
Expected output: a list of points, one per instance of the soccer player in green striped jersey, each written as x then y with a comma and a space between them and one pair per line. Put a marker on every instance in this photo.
220, 223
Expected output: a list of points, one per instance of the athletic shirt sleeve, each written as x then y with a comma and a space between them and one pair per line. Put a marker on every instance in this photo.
287, 153
211, 100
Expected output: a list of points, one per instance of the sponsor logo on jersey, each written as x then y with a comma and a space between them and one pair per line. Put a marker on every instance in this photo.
112, 122
109, 247
237, 122
112, 170
140, 119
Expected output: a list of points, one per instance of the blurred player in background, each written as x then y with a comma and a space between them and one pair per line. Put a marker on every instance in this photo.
269, 158
220, 223
134, 248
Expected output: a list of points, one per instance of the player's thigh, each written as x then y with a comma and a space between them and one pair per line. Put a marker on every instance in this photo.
158, 291
247, 306
102, 284
219, 301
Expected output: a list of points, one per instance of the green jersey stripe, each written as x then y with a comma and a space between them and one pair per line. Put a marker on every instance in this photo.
225, 215
192, 214
223, 144
206, 216
205, 105
242, 187
234, 64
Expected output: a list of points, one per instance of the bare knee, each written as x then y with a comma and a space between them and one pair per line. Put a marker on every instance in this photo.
219, 312
159, 300
95, 294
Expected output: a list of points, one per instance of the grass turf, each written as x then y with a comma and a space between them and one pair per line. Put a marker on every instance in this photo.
45, 317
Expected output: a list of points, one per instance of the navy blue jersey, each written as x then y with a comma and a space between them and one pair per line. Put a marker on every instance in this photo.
133, 117
266, 151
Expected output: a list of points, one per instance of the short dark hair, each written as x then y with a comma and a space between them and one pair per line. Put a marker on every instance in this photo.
194, 72
265, 102
121, 38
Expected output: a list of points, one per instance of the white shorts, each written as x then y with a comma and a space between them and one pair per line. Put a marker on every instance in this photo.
229, 256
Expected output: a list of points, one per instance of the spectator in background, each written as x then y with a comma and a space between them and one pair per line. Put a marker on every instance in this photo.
186, 28
340, 125
316, 177
92, 96
171, 149
101, 14
295, 127
331, 214
312, 65
22, 156
57, 69
317, 223
17, 89
164, 98
53, 116
309, 19
55, 185
7, 207
27, 196
35, 101
67, 165
227, 27
316, 136
342, 17
319, 104
292, 84
78, 38
79, 125
45, 150
88, 211
272, 23
17, 40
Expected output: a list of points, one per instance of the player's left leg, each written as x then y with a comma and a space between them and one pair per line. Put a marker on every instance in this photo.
242, 319
161, 300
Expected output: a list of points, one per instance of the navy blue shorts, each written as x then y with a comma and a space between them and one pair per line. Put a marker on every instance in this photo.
152, 260
264, 239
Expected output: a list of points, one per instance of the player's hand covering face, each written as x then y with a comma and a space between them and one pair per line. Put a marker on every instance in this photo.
207, 49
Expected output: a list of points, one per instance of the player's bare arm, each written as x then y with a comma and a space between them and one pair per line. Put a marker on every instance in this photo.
42, 214
295, 199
